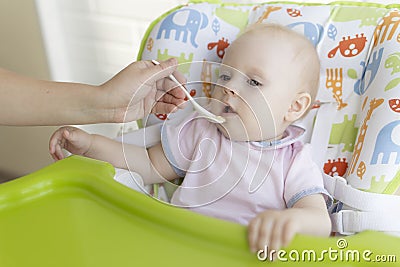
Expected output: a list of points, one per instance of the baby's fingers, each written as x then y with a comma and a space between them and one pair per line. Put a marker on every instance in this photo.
55, 145
58, 154
54, 141
60, 140
276, 236
289, 231
260, 233
56, 150
71, 138
265, 233
252, 234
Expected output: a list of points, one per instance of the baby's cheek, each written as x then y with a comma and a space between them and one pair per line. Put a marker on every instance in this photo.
217, 92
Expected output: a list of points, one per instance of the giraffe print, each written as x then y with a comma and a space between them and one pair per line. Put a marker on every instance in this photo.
334, 82
373, 104
267, 12
206, 78
392, 19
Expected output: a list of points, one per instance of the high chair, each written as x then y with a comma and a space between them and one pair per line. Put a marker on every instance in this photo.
73, 213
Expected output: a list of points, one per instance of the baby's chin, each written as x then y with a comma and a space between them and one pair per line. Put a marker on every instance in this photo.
236, 136
231, 130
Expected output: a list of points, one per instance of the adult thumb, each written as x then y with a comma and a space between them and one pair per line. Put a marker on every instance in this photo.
162, 70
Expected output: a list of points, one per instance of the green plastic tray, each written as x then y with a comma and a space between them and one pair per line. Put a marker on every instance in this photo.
72, 213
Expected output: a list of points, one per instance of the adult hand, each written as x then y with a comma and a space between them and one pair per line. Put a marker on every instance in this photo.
143, 88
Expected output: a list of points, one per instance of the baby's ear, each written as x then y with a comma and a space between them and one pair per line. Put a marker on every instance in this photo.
298, 107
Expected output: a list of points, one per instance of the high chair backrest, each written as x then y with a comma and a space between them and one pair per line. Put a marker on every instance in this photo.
355, 125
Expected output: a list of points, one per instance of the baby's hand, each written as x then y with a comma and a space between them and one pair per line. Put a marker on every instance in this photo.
273, 228
72, 139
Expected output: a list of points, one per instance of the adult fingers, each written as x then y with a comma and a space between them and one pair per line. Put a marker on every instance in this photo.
167, 85
170, 99
158, 72
180, 77
164, 108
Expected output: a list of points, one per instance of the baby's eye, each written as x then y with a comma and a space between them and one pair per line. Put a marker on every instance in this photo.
253, 82
224, 77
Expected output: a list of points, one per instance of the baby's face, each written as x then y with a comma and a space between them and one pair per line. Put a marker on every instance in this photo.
255, 88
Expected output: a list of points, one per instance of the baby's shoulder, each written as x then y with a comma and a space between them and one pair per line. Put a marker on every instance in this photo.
300, 151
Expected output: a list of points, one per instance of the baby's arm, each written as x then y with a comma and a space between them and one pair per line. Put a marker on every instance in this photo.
150, 163
276, 228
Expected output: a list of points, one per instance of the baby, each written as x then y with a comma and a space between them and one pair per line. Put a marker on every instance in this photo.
251, 169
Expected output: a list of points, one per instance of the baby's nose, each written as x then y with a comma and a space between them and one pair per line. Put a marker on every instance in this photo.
229, 91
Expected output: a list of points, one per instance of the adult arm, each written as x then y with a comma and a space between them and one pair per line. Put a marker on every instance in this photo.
130, 95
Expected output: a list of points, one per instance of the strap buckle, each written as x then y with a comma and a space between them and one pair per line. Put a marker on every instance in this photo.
339, 222
340, 183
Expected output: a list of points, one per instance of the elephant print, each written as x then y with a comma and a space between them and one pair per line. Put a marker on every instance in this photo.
313, 32
360, 87
183, 22
386, 145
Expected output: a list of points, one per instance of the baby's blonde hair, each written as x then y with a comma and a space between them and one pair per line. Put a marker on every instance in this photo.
305, 54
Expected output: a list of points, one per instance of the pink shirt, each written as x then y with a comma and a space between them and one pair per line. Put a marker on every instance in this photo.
237, 180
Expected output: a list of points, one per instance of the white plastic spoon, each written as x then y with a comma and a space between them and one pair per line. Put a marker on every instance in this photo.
207, 114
